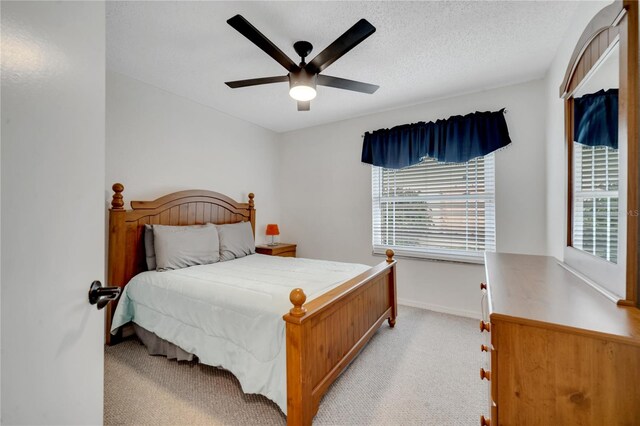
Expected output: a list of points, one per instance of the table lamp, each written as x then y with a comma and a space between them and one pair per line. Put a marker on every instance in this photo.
272, 229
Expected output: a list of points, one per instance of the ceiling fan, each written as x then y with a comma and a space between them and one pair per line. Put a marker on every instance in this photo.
304, 77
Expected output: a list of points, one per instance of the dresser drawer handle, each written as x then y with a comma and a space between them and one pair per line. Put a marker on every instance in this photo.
485, 374
484, 421
484, 348
485, 326
483, 286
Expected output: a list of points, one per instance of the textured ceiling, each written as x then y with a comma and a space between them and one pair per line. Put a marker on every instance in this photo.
420, 51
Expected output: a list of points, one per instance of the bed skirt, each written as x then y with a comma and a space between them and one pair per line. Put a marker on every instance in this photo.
157, 346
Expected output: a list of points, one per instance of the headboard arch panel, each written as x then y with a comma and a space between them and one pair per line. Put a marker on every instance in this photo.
126, 227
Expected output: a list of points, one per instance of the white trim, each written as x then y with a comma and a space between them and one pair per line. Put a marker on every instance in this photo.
441, 309
606, 293
438, 197
458, 256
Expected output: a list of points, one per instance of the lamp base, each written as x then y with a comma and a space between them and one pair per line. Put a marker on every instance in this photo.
272, 243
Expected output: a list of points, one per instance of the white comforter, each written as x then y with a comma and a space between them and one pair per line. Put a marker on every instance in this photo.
229, 314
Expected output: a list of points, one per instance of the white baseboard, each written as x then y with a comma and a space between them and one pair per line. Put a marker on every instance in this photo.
442, 309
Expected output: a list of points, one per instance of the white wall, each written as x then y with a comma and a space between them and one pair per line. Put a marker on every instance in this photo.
556, 150
326, 193
158, 142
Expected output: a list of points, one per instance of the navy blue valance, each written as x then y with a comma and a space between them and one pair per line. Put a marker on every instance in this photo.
595, 119
457, 139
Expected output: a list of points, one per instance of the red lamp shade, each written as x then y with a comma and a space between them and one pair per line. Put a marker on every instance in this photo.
272, 229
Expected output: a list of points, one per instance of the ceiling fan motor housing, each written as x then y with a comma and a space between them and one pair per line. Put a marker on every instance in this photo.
302, 78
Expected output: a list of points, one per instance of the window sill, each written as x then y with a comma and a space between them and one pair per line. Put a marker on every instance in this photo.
437, 257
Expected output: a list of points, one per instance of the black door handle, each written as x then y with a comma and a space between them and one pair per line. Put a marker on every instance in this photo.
102, 295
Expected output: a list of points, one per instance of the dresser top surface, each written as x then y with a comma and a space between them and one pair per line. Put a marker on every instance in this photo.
537, 289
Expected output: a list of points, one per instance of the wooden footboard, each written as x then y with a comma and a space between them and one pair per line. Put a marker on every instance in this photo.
326, 334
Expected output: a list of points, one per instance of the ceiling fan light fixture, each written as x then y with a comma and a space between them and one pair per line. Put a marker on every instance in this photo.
302, 85
302, 93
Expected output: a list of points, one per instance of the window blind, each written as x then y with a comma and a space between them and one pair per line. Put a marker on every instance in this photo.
436, 210
595, 201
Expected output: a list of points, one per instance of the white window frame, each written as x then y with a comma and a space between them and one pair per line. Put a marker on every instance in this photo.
430, 252
607, 277
580, 195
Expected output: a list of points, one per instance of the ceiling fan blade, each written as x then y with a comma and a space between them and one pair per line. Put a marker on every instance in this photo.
256, 37
343, 83
257, 81
347, 41
304, 105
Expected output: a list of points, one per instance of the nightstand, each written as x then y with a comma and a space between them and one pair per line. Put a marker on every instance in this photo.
280, 249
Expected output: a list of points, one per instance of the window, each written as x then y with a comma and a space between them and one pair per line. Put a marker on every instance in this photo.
595, 201
436, 210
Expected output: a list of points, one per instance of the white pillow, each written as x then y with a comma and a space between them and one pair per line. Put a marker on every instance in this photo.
236, 240
182, 246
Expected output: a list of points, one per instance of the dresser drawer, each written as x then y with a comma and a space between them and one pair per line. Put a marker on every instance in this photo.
287, 254
280, 249
494, 371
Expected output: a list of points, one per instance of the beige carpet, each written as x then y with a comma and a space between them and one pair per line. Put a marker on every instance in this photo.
423, 372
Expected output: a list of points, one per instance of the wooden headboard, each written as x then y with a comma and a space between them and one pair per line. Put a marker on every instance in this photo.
126, 227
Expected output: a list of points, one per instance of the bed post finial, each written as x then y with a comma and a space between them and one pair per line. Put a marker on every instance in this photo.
117, 203
390, 254
252, 214
297, 297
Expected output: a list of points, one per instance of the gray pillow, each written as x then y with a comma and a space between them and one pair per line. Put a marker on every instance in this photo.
149, 249
182, 246
236, 240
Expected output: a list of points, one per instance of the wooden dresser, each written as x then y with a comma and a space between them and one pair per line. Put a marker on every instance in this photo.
558, 351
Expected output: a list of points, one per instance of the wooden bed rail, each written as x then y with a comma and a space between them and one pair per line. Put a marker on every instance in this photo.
326, 334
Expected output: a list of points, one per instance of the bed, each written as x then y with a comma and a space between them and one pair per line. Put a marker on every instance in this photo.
322, 327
